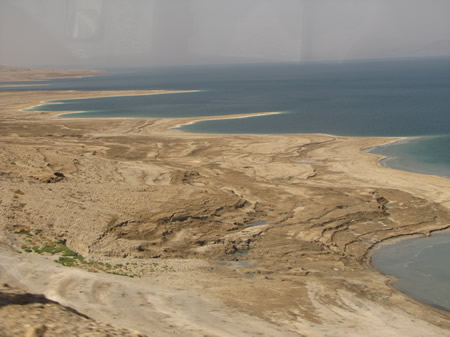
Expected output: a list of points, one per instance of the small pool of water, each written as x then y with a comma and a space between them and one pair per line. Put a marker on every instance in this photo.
241, 253
258, 223
421, 266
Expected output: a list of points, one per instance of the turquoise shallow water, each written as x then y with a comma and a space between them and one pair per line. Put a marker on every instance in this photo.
389, 98
405, 98
427, 154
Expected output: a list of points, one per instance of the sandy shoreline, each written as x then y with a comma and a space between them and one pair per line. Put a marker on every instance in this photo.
136, 189
105, 94
237, 116
384, 160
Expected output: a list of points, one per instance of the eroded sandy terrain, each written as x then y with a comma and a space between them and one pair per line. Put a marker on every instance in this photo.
132, 193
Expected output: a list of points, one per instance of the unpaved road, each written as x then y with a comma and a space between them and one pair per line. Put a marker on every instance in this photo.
138, 304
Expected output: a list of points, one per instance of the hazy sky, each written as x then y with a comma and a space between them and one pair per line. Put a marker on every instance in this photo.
94, 33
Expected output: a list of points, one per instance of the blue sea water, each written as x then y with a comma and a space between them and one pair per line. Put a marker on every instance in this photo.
402, 98
427, 154
406, 98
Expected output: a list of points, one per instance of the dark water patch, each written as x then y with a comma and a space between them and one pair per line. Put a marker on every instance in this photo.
243, 264
240, 259
241, 253
421, 267
258, 223
249, 275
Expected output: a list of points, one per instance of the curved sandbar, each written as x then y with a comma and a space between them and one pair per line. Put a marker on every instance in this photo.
235, 116
102, 94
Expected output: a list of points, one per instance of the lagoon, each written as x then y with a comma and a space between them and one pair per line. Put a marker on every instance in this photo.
402, 98
421, 267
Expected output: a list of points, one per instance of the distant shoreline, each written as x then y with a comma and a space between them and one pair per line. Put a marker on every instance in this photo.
16, 74
193, 195
105, 94
384, 161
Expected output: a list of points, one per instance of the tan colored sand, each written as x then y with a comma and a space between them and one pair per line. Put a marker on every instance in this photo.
25, 74
135, 190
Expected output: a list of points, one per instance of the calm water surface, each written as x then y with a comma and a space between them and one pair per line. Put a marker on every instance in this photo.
390, 98
427, 154
421, 266
406, 98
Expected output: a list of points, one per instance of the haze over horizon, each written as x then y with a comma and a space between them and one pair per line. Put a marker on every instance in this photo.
113, 33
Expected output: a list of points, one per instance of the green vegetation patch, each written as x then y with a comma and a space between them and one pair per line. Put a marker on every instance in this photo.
39, 244
70, 261
57, 247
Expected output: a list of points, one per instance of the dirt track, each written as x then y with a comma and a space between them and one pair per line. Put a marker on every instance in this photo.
139, 304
